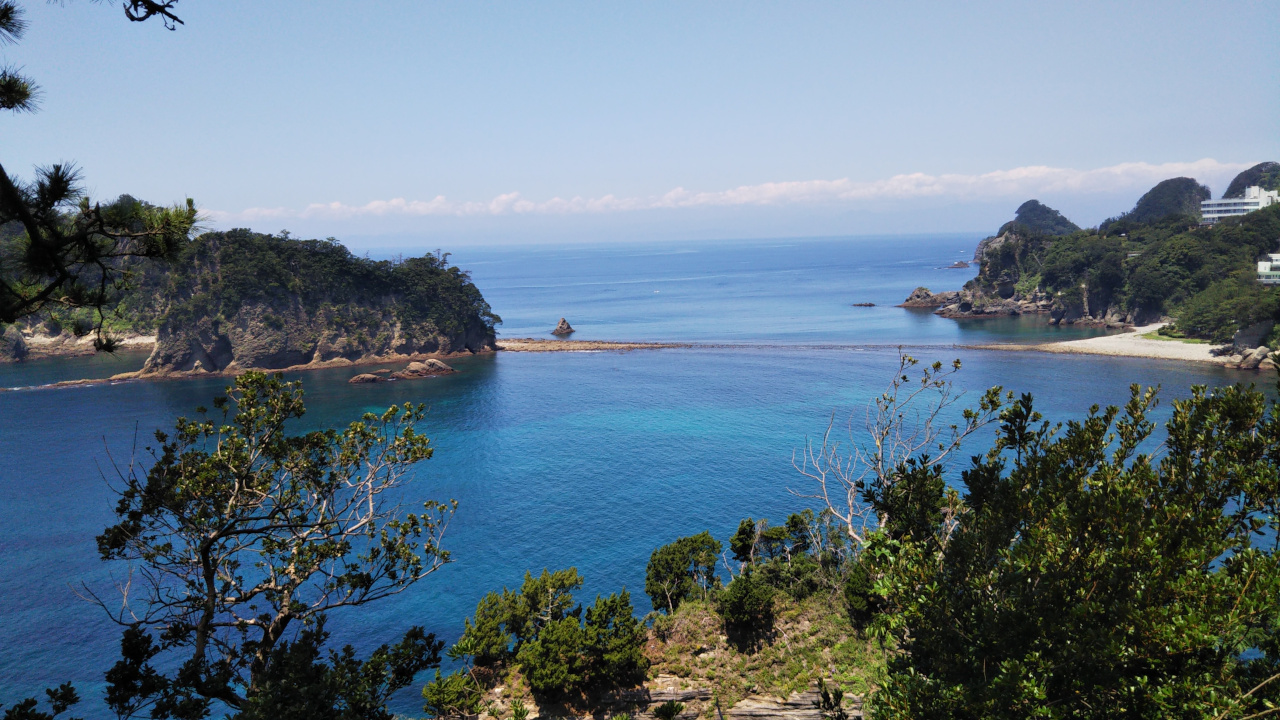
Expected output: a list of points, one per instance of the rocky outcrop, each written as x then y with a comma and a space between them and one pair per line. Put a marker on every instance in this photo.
272, 337
1251, 360
430, 367
13, 347
1253, 335
365, 378
241, 300
921, 297
562, 328
697, 701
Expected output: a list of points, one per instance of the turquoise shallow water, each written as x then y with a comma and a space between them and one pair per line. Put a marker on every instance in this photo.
584, 459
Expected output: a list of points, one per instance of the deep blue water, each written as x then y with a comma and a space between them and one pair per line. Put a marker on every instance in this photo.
582, 459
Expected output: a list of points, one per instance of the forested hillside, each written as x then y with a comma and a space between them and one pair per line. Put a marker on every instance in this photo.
1152, 262
239, 299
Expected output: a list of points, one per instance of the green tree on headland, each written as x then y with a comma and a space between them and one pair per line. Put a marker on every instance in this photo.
57, 248
681, 570
241, 538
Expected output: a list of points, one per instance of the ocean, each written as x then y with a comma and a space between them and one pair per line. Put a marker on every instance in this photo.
584, 459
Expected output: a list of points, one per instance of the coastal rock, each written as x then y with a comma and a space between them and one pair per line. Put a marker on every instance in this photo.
426, 368
1253, 335
562, 328
365, 378
13, 347
799, 706
921, 297
1255, 358
251, 301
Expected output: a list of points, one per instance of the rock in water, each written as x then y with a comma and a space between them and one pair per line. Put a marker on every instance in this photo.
426, 368
365, 378
922, 298
563, 328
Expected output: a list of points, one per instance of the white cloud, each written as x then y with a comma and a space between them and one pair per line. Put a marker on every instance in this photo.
1019, 183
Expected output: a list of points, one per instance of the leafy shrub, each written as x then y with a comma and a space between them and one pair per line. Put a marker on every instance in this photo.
681, 570
830, 703
668, 710
747, 602
454, 694
860, 599
542, 630
613, 641
552, 661
1085, 579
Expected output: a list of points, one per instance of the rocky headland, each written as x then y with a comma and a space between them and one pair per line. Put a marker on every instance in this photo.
241, 300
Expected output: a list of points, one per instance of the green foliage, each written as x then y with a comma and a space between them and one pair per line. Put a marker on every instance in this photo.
613, 640
221, 271
543, 631
57, 249
668, 710
1265, 175
1173, 198
452, 695
681, 570
301, 685
830, 703
811, 639
1034, 216
1158, 267
519, 711
505, 621
60, 698
1085, 579
860, 598
291, 527
1225, 307
552, 661
746, 604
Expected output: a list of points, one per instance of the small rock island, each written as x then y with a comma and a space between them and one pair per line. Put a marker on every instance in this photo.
562, 328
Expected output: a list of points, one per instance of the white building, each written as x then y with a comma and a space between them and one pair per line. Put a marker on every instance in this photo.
1255, 198
1269, 270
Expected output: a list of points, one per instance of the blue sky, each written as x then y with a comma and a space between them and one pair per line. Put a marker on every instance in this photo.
394, 123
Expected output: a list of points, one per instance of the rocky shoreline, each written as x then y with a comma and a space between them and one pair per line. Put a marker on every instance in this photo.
540, 345
968, 305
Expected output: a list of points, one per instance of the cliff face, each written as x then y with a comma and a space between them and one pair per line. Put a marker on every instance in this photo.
241, 300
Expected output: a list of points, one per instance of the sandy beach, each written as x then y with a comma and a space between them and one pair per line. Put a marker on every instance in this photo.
1129, 344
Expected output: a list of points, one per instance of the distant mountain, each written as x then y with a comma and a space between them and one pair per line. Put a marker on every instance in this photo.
1175, 196
1266, 175
1039, 217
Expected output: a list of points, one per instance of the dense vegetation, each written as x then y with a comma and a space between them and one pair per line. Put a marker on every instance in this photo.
1204, 277
1034, 216
58, 250
1085, 578
1169, 198
221, 271
1265, 175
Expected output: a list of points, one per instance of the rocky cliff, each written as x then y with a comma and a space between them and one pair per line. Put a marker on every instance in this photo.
1129, 271
241, 300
